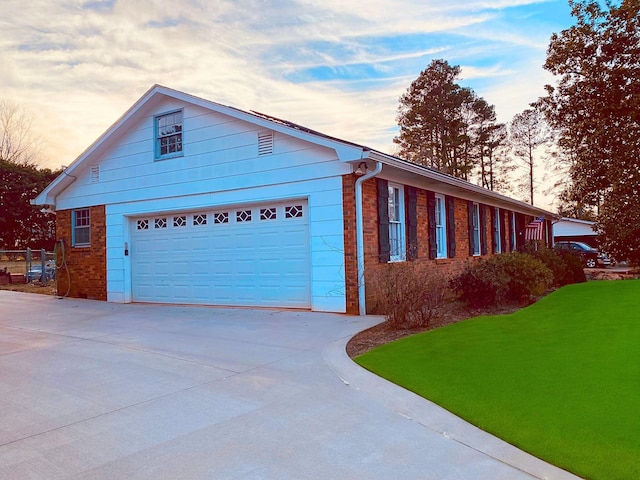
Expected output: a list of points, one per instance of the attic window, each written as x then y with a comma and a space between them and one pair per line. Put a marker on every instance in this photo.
95, 173
265, 143
169, 134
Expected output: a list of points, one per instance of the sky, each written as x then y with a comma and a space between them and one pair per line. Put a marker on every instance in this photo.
336, 66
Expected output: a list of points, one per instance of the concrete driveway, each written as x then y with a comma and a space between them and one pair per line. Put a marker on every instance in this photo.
91, 390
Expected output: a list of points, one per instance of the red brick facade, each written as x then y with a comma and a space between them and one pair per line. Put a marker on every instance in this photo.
350, 255
372, 262
87, 266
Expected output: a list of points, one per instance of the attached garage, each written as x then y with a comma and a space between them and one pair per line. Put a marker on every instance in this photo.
248, 255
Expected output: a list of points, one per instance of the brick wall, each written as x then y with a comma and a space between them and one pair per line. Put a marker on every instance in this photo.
350, 255
373, 266
87, 266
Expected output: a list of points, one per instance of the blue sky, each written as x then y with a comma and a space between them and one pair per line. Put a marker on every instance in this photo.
336, 66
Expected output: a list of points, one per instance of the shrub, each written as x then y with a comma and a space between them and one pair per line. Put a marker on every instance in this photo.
508, 277
409, 294
575, 271
565, 266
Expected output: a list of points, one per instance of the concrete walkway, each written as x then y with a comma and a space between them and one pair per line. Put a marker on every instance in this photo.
91, 390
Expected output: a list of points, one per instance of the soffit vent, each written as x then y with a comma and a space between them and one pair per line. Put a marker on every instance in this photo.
95, 173
265, 143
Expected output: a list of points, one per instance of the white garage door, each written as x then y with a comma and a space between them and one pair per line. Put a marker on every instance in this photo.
244, 256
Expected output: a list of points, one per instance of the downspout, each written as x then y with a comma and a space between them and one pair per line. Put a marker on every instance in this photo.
360, 236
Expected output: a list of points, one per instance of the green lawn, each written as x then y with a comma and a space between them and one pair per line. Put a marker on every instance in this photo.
559, 379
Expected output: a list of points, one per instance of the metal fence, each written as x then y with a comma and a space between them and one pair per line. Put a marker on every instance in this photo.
35, 265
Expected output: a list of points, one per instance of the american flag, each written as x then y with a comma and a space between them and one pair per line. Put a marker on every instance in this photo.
535, 230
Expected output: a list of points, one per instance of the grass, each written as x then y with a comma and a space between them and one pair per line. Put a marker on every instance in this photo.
559, 379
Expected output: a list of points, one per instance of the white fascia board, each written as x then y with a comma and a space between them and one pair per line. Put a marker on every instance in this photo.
469, 190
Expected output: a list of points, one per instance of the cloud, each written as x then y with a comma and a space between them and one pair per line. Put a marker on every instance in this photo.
334, 66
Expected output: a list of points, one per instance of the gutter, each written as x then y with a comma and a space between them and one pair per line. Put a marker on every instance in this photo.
360, 236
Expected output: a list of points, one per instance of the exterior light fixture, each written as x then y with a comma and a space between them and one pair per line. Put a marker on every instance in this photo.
362, 169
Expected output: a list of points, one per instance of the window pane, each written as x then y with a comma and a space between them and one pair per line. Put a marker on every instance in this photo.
476, 229
169, 133
441, 232
394, 239
394, 204
82, 218
82, 236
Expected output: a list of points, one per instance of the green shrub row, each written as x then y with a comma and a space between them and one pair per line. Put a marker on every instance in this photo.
412, 294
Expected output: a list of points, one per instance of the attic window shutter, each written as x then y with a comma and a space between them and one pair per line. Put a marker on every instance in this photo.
95, 173
384, 247
265, 142
451, 227
412, 222
431, 218
483, 230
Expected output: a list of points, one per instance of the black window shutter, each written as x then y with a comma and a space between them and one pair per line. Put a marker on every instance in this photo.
471, 238
412, 223
483, 230
431, 218
451, 227
384, 248
503, 232
520, 225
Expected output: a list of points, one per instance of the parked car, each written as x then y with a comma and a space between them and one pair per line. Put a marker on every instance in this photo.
590, 256
35, 272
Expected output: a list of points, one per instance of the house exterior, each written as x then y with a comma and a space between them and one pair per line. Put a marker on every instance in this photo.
187, 201
575, 230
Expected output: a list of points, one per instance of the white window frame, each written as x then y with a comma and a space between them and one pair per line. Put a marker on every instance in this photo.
497, 230
441, 226
160, 135
397, 239
477, 248
81, 222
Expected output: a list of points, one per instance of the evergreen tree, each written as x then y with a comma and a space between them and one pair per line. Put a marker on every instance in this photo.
595, 106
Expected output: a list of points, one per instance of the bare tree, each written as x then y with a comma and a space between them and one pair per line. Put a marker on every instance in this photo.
18, 144
528, 133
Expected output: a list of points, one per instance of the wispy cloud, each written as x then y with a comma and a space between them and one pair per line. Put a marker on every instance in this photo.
336, 66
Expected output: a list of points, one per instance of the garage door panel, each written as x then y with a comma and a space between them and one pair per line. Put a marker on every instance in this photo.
247, 256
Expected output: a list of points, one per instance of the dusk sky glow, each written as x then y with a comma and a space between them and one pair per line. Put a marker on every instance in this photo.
336, 66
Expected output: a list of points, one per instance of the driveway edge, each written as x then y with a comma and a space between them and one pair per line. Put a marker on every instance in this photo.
435, 418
